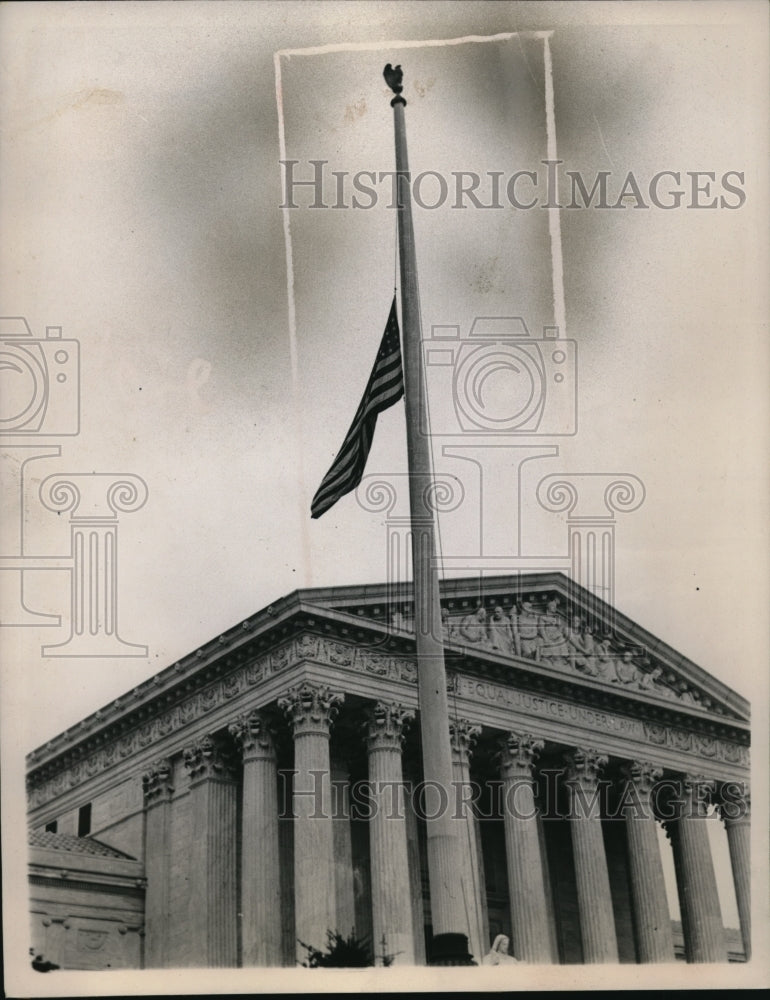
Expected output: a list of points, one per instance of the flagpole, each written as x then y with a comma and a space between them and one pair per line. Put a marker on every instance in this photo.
446, 899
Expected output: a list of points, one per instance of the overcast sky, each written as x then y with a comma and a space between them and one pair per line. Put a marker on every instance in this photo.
141, 210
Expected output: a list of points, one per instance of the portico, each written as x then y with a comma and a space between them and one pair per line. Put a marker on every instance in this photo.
270, 783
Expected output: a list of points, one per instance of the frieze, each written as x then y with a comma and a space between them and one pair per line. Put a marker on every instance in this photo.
396, 668
339, 654
706, 746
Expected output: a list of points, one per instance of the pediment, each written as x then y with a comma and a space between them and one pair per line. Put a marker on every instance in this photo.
548, 622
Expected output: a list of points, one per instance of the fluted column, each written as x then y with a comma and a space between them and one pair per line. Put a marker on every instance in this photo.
736, 816
260, 864
343, 849
652, 920
212, 930
526, 886
553, 940
704, 939
311, 710
597, 921
463, 737
391, 895
415, 877
157, 787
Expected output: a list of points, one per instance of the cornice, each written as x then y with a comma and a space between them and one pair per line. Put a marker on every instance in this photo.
257, 648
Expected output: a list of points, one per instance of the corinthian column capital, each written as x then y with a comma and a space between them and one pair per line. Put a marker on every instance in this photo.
642, 775
253, 736
697, 791
207, 759
311, 708
386, 725
462, 736
518, 753
156, 782
584, 766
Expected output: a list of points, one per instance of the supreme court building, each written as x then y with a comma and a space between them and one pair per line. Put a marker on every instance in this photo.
267, 788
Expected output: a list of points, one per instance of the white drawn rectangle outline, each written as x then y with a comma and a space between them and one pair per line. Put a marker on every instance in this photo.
554, 219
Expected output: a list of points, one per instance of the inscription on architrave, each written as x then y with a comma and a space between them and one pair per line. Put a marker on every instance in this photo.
549, 708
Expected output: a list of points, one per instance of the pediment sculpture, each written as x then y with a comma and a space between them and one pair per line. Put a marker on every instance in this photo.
543, 630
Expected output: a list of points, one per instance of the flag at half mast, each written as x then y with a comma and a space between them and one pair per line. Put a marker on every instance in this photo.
384, 388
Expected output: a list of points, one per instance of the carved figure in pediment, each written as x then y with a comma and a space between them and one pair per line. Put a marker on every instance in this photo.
648, 678
650, 683
626, 671
576, 645
529, 638
515, 634
662, 690
551, 631
448, 626
500, 634
605, 661
590, 657
473, 627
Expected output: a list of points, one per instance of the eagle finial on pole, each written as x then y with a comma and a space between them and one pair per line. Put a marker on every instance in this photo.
393, 77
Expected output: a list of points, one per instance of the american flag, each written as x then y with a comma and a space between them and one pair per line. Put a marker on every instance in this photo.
385, 387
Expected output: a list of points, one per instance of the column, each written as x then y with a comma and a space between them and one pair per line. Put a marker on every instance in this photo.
311, 710
415, 877
526, 886
343, 849
286, 876
391, 891
548, 886
597, 921
704, 939
736, 816
463, 737
156, 784
212, 924
652, 920
260, 863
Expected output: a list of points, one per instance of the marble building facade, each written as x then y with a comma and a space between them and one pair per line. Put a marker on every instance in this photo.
268, 788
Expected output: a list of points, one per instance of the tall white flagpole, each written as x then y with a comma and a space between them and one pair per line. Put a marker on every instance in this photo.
446, 901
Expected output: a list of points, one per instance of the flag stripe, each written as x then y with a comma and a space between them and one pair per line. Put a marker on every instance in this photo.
384, 388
